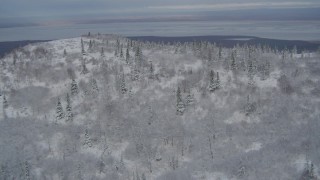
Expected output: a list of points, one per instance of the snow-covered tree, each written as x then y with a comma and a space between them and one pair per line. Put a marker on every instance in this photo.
84, 68
27, 170
74, 88
190, 99
151, 71
5, 102
138, 55
82, 48
127, 55
87, 139
102, 53
90, 48
250, 74
250, 107
233, 61
121, 53
174, 163
59, 110
135, 74
69, 112
212, 82
143, 177
180, 104
123, 86
218, 83
220, 53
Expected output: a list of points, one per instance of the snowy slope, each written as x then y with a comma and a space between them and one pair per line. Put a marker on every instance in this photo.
130, 122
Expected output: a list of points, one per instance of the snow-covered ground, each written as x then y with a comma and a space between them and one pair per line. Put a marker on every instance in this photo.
152, 111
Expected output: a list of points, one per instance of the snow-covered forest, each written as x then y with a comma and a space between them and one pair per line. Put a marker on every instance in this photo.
104, 107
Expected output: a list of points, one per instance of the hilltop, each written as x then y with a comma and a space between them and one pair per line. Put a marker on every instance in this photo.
108, 107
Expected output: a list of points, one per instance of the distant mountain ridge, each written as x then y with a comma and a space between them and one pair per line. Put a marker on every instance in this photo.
231, 41
7, 47
224, 41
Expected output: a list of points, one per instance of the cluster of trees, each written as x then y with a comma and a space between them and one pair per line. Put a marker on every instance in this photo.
130, 118
67, 114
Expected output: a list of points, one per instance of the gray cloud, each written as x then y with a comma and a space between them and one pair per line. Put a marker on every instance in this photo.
68, 11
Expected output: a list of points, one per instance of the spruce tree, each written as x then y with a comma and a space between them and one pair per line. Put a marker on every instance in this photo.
267, 69
143, 176
250, 107
250, 73
74, 88
137, 176
233, 61
90, 46
218, 84
69, 109
5, 102
138, 56
135, 74
102, 53
123, 87
311, 172
209, 55
151, 71
87, 140
4, 172
27, 170
82, 48
121, 53
127, 56
94, 85
84, 69
220, 53
189, 99
59, 110
212, 83
180, 104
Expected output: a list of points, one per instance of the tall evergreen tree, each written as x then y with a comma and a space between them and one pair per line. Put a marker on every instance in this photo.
138, 56
74, 88
27, 170
218, 83
143, 176
82, 48
121, 53
5, 102
250, 73
189, 99
84, 68
220, 53
69, 109
180, 104
233, 61
94, 85
87, 140
212, 83
135, 74
90, 46
151, 71
59, 110
102, 53
127, 56
250, 107
123, 87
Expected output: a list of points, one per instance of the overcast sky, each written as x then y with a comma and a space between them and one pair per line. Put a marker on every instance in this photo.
75, 11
